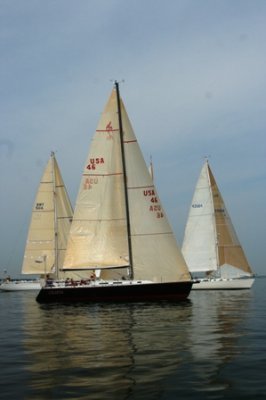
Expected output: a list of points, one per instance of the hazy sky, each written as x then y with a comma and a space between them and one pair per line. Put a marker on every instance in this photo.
195, 86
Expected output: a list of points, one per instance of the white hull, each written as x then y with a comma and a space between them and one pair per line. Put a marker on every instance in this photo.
13, 286
218, 283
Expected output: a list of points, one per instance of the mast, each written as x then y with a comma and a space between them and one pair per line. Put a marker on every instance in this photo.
125, 179
55, 217
214, 218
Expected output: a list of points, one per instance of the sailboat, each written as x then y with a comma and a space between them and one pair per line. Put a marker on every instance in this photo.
12, 285
120, 230
210, 245
48, 231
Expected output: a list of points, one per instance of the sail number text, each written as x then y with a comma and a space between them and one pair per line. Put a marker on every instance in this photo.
89, 182
39, 206
155, 206
94, 162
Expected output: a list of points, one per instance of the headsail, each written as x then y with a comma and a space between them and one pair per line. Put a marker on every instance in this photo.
98, 235
50, 224
210, 240
230, 251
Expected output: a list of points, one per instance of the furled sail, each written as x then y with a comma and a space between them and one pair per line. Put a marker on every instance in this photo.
99, 233
50, 224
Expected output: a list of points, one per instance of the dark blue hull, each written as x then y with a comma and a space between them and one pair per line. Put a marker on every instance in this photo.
114, 293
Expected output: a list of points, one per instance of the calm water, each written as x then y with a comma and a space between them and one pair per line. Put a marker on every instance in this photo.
210, 347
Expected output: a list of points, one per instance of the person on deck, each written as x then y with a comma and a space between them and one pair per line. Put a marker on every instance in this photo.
93, 276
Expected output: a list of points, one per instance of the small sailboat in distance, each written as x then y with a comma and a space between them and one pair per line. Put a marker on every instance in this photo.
13, 285
48, 231
210, 243
119, 226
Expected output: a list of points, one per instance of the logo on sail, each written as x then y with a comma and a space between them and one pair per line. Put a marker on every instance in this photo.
109, 126
109, 130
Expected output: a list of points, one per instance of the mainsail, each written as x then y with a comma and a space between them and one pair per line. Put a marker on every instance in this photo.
99, 235
210, 241
50, 224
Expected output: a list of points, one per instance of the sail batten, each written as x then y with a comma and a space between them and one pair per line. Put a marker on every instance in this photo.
98, 267
140, 187
152, 234
109, 174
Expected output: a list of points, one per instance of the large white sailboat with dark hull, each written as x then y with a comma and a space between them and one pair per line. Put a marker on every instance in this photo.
211, 247
119, 227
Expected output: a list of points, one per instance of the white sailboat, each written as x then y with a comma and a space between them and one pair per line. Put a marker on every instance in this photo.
48, 231
210, 243
13, 285
119, 226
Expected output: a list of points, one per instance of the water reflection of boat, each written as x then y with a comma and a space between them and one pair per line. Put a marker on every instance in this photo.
106, 351
139, 351
215, 333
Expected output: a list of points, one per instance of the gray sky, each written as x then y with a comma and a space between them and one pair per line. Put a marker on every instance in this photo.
195, 86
